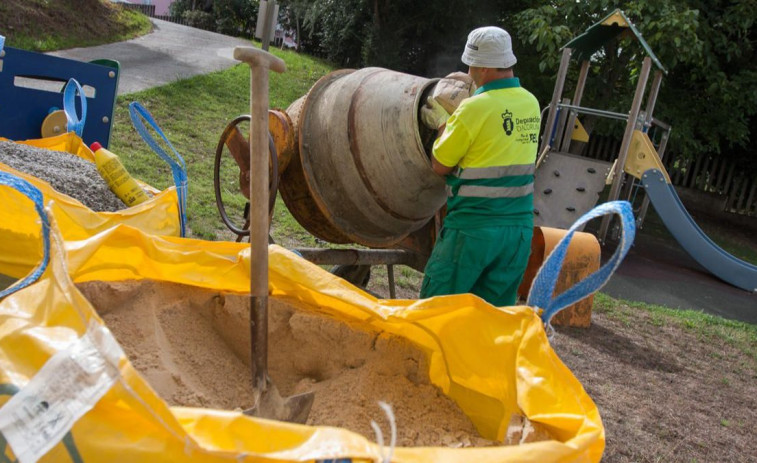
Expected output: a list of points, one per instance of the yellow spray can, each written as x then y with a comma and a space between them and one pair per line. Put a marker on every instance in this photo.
117, 177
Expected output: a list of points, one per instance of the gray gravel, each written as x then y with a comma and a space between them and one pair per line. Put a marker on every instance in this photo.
67, 173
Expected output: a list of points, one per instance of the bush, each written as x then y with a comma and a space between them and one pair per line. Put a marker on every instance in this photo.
199, 19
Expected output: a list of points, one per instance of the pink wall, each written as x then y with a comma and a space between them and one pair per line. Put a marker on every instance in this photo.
161, 6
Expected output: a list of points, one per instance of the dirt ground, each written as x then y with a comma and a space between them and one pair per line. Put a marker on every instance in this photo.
665, 391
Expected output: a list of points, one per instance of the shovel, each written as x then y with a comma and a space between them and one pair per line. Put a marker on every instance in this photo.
268, 402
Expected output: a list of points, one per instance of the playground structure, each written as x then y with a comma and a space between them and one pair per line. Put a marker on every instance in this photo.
567, 185
34, 102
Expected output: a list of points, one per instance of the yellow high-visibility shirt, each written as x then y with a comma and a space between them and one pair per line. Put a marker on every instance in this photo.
494, 136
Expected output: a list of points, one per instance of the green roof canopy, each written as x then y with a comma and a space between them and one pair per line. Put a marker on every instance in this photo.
615, 24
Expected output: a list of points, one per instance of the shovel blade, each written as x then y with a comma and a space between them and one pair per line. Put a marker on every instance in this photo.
270, 405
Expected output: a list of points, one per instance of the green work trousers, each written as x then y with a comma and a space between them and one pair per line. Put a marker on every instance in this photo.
488, 262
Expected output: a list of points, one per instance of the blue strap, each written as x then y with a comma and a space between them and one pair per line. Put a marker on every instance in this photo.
74, 123
31, 192
544, 284
2, 42
179, 169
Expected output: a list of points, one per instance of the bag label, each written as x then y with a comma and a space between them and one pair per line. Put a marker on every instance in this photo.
67, 386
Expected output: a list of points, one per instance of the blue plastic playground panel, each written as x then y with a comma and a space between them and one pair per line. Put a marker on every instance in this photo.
31, 86
688, 234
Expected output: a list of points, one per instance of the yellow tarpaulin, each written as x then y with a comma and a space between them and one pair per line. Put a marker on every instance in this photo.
158, 216
493, 362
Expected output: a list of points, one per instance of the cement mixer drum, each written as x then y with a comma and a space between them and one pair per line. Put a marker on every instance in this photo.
361, 174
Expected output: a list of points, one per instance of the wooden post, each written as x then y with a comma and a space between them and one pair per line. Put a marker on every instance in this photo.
577, 96
720, 185
740, 202
652, 99
268, 23
626, 143
693, 180
715, 170
556, 95
729, 181
750, 199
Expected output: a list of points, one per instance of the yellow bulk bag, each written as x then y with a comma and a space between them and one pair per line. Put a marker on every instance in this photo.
163, 214
159, 215
69, 392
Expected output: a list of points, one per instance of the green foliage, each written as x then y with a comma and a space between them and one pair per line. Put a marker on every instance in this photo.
422, 38
179, 7
199, 19
235, 17
335, 30
707, 48
230, 17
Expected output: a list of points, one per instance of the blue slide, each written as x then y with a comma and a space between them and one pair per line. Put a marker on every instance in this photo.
680, 224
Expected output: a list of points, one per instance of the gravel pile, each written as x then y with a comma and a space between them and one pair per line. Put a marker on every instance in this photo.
67, 173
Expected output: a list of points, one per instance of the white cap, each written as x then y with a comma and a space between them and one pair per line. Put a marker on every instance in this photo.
489, 47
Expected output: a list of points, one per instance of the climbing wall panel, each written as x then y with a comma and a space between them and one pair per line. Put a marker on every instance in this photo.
567, 186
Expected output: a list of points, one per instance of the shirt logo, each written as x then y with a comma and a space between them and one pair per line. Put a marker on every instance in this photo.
507, 122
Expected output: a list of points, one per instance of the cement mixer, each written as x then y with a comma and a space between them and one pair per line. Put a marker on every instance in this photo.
351, 161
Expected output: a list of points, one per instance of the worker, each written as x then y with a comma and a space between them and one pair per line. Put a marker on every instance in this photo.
487, 152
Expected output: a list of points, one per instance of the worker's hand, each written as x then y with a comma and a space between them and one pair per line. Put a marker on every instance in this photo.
465, 80
451, 90
433, 115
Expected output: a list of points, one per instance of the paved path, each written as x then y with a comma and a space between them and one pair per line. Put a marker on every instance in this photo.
171, 52
659, 271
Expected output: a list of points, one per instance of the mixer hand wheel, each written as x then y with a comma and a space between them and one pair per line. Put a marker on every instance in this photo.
238, 145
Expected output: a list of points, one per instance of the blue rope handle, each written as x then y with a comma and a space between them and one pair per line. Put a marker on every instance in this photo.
31, 192
74, 123
543, 286
179, 169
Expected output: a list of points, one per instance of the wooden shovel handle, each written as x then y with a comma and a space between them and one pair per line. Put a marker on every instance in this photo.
257, 57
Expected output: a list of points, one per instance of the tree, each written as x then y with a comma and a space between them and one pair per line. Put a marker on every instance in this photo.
291, 16
235, 17
707, 48
231, 17
423, 38
335, 30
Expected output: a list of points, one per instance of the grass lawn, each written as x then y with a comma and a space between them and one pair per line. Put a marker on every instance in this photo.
193, 113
